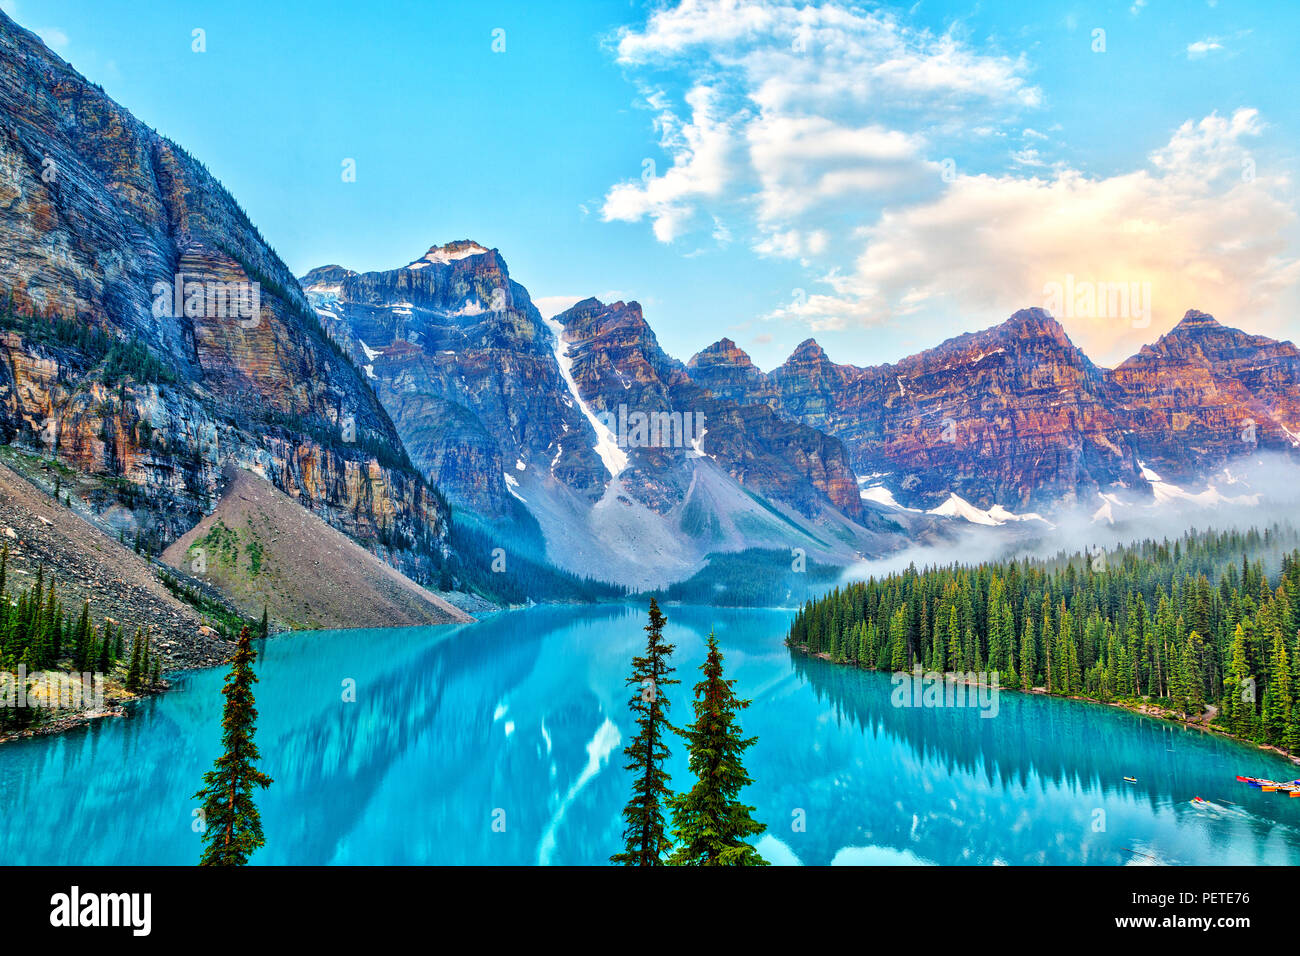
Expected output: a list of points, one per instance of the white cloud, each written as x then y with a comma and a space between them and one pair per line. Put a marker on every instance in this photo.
793, 244
803, 53
700, 150
1200, 48
1027, 157
794, 108
803, 161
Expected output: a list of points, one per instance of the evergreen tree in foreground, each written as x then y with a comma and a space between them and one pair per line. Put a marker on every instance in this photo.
709, 822
646, 833
233, 827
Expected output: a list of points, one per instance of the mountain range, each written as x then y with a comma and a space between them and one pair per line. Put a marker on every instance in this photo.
501, 403
409, 406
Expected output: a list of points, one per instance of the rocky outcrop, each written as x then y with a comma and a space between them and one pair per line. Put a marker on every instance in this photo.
102, 221
42, 536
1205, 394
727, 371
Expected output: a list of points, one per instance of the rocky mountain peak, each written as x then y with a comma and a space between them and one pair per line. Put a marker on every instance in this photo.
807, 353
581, 312
451, 252
1195, 318
325, 278
722, 352
1034, 322
729, 373
591, 318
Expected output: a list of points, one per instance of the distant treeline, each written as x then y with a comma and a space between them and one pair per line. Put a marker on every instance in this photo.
755, 577
509, 570
1211, 618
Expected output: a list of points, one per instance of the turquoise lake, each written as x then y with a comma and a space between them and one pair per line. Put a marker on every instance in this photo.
521, 719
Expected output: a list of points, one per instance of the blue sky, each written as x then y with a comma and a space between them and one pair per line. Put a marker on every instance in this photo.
881, 177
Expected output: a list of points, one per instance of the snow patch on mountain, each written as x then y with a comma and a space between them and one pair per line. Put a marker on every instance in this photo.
880, 495
442, 255
697, 444
1166, 494
512, 484
958, 507
614, 457
1106, 512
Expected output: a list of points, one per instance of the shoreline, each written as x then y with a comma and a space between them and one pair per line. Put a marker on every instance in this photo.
1141, 709
65, 722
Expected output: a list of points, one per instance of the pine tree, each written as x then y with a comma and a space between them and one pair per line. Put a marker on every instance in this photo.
1277, 696
1193, 679
233, 826
264, 630
1028, 655
1240, 709
954, 655
105, 661
82, 635
646, 833
898, 640
133, 668
709, 821
1009, 677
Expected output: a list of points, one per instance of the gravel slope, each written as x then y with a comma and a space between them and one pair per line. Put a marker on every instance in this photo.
262, 548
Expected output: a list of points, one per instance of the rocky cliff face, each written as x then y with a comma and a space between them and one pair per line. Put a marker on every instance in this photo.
102, 363
1204, 394
1012, 415
466, 367
621, 370
728, 372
